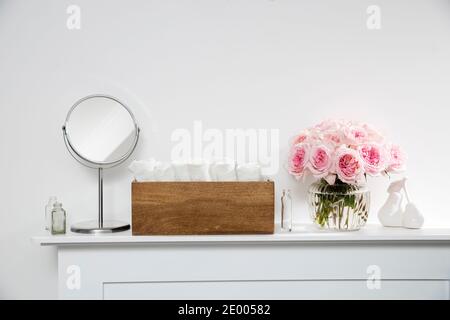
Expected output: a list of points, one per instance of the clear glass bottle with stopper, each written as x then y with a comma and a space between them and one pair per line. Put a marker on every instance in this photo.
286, 210
58, 219
48, 213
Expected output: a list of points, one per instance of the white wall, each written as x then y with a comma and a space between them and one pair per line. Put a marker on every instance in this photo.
232, 64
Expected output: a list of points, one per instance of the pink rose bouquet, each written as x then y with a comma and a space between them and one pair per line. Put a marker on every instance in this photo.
345, 151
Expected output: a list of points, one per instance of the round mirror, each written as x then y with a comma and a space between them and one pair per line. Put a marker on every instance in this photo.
100, 131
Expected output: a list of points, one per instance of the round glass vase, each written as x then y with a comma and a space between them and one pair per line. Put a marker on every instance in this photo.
341, 206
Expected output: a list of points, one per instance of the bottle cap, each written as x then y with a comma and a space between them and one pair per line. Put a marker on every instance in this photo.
57, 205
51, 200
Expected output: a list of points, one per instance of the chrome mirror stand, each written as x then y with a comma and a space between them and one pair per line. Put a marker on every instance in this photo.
100, 226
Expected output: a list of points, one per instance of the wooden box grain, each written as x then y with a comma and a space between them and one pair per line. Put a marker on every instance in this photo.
191, 208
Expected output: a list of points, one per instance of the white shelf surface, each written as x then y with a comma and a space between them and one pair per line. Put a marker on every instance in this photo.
301, 233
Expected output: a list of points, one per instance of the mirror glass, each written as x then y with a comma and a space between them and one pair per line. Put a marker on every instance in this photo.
101, 129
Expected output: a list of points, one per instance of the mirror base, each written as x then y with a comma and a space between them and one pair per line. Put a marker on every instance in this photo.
93, 227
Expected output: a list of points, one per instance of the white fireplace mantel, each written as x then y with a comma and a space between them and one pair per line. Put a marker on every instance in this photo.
373, 263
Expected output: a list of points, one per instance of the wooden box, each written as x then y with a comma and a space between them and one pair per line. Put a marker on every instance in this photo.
190, 208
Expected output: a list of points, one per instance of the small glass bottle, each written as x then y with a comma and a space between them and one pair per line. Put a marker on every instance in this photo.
286, 210
58, 219
48, 213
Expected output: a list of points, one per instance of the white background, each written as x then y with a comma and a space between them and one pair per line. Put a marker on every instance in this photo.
231, 64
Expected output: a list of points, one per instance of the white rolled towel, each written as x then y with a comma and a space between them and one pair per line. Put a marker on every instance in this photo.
164, 172
249, 172
137, 168
223, 171
143, 170
199, 171
181, 171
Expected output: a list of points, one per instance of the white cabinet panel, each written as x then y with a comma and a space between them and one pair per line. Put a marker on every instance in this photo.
255, 271
311, 289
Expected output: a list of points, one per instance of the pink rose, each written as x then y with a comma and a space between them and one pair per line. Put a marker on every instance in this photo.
299, 159
373, 134
332, 139
349, 166
355, 134
320, 161
328, 132
374, 158
302, 137
397, 159
328, 125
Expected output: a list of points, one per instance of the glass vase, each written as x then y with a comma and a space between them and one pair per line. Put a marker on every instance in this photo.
340, 206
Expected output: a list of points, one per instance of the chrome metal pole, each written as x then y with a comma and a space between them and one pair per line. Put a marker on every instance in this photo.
100, 197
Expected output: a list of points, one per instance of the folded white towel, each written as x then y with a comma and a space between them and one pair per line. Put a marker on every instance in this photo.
249, 172
143, 170
199, 171
181, 172
164, 172
223, 171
